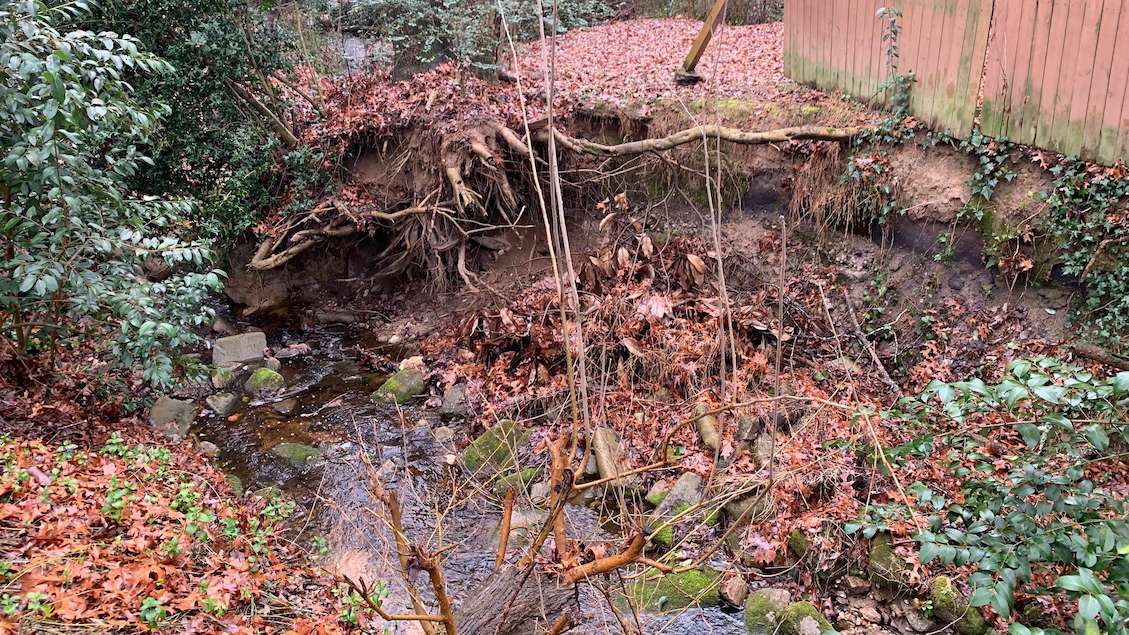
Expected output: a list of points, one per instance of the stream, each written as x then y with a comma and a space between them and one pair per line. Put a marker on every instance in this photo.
413, 450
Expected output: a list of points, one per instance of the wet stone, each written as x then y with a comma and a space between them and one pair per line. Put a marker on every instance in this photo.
285, 407
401, 387
609, 455
496, 446
685, 492
222, 377
172, 417
677, 591
264, 381
708, 428
222, 403
763, 608
296, 454
519, 481
454, 402
238, 349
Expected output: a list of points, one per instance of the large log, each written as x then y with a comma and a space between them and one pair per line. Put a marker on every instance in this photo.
514, 602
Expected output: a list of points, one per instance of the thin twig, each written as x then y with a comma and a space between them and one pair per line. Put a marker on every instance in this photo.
504, 535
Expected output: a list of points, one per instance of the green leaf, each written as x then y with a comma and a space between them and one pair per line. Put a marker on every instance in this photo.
1050, 393
981, 596
1097, 436
1030, 433
1088, 607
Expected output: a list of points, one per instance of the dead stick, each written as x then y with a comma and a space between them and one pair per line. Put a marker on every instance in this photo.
434, 570
556, 478
611, 563
690, 135
562, 624
363, 591
885, 376
504, 538
403, 553
1101, 355
638, 470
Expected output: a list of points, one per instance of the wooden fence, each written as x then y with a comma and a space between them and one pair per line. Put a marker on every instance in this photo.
1050, 73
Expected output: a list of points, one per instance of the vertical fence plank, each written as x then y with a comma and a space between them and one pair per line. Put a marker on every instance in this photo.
1021, 64
1100, 93
944, 27
858, 48
1079, 96
873, 49
1058, 133
951, 104
911, 36
1053, 73
1109, 149
1025, 124
1060, 19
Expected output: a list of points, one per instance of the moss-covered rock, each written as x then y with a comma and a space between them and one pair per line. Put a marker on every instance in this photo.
798, 542
886, 567
657, 494
222, 378
950, 606
519, 480
401, 386
763, 608
264, 381
797, 618
664, 537
676, 591
296, 454
496, 446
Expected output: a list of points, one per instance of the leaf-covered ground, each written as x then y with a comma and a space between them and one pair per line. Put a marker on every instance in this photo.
137, 535
631, 65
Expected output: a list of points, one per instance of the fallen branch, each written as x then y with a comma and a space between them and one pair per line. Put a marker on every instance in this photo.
732, 135
1101, 355
861, 337
272, 118
504, 534
628, 556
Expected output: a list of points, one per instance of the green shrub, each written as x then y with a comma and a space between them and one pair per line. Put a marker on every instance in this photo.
72, 129
1046, 517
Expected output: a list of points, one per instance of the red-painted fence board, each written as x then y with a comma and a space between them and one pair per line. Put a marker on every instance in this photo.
1052, 73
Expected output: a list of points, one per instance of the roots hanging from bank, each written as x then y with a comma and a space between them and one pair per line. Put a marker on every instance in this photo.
474, 185
451, 168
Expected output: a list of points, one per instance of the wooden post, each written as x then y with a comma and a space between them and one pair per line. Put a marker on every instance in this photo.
687, 73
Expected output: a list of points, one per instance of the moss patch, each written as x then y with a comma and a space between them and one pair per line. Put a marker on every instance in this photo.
950, 606
496, 446
886, 567
520, 481
763, 608
794, 617
264, 381
296, 454
798, 543
677, 591
401, 386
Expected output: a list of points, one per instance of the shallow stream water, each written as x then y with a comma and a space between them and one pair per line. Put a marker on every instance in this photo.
411, 450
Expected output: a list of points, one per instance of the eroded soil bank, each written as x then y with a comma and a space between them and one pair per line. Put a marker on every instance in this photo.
757, 496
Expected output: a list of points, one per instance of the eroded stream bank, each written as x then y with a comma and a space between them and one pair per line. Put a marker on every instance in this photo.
323, 440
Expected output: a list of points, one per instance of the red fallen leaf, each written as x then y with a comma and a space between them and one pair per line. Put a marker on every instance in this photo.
233, 418
656, 307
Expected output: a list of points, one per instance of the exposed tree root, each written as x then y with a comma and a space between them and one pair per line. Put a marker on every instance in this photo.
697, 133
477, 176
